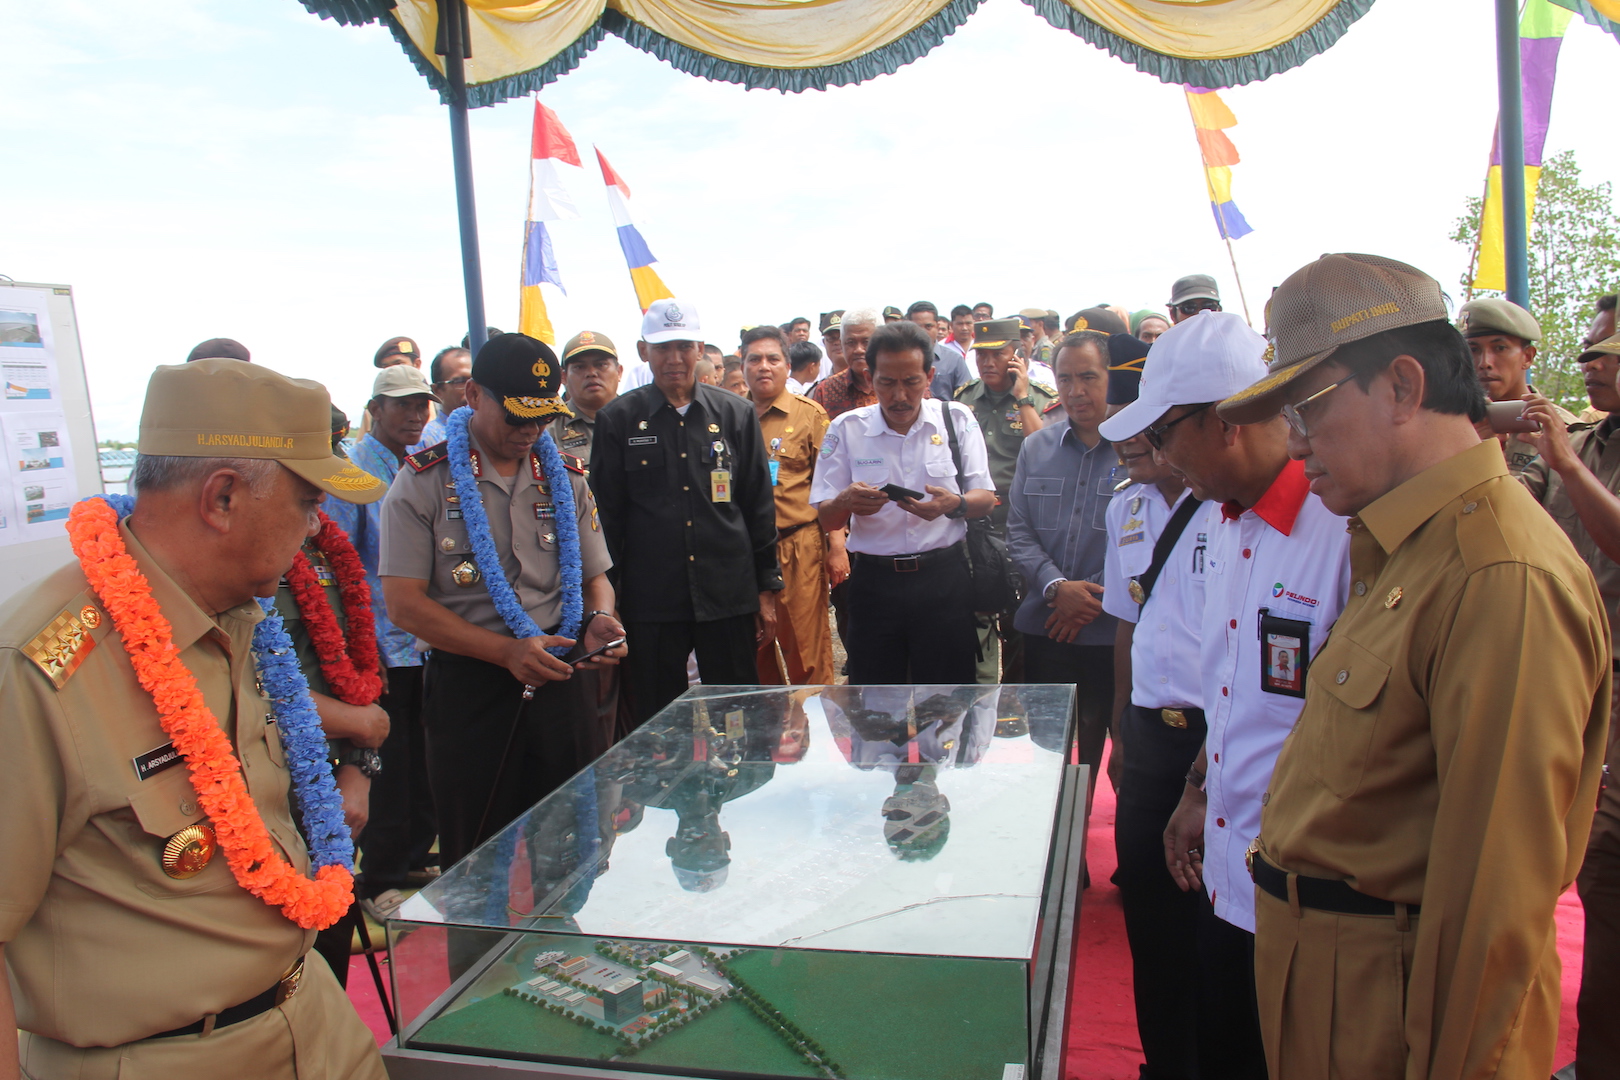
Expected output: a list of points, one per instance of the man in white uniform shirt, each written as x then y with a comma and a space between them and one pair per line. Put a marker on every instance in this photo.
910, 606
1153, 584
1276, 577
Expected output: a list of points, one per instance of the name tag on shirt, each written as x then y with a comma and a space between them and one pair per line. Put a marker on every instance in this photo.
1285, 651
453, 515
720, 485
644, 440
152, 762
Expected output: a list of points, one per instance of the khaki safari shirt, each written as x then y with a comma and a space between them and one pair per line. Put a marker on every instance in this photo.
424, 536
1599, 451
792, 428
1450, 745
1003, 431
104, 947
573, 435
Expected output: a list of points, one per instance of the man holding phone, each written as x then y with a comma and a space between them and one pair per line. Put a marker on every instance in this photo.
1502, 337
910, 602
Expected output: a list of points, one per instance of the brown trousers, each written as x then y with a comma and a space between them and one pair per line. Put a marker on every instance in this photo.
1597, 1048
801, 613
315, 1036
1332, 996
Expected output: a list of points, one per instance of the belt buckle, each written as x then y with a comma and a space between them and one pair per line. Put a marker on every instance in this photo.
290, 982
1248, 856
907, 564
1175, 718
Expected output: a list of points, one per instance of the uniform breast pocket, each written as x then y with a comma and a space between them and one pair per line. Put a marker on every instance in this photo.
1348, 681
644, 467
875, 475
941, 470
163, 807
1044, 496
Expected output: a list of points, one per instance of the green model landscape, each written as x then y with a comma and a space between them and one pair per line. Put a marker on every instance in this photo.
781, 1012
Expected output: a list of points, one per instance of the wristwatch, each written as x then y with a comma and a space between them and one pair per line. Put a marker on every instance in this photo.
1027, 399
958, 511
1049, 593
367, 760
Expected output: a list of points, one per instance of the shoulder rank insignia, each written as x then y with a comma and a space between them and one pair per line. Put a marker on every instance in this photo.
61, 647
572, 463
424, 460
1052, 407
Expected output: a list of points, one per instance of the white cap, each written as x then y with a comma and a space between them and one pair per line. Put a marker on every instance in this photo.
670, 320
1208, 357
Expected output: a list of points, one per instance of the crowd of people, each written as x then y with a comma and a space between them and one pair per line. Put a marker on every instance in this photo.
1345, 625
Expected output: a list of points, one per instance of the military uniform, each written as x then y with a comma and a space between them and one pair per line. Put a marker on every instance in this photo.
792, 428
119, 968
573, 435
469, 704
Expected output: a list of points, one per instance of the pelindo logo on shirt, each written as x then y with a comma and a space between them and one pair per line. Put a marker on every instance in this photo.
1279, 592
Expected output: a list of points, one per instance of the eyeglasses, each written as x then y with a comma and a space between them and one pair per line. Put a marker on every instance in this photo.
459, 380
1155, 435
1294, 413
1193, 307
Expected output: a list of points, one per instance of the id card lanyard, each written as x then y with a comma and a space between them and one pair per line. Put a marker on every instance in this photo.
720, 470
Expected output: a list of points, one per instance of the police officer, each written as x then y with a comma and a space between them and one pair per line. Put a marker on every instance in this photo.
492, 751
688, 513
1008, 406
910, 598
591, 374
1502, 337
130, 946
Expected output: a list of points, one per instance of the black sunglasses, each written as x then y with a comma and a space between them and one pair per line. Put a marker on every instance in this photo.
1193, 307
1155, 435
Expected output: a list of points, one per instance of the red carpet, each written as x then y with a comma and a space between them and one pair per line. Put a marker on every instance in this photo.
1102, 1025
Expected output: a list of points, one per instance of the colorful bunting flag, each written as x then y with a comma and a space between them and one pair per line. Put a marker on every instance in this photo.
1541, 32
648, 285
1211, 117
550, 145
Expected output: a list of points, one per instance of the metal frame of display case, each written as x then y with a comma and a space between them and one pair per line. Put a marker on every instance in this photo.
1051, 969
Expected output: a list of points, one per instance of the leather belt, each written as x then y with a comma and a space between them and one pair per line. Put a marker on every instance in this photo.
909, 564
1323, 894
783, 534
278, 994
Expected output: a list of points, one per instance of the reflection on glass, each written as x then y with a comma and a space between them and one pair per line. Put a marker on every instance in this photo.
811, 881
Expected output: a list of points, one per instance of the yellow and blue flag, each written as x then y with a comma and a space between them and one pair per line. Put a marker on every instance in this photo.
649, 286
550, 145
1210, 118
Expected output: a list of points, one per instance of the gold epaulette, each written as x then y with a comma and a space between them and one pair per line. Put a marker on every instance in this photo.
423, 460
572, 463
62, 646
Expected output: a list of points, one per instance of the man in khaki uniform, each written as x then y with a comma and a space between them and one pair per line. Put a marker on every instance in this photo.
127, 962
1435, 797
1502, 337
792, 427
591, 372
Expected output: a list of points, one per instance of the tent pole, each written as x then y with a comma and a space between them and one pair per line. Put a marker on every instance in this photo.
1509, 91
454, 48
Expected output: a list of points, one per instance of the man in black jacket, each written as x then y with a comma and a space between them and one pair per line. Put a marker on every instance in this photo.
687, 510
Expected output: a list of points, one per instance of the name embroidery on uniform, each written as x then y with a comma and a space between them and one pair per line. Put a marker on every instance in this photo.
644, 440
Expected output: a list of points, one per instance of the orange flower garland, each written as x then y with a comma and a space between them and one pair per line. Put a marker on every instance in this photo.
186, 719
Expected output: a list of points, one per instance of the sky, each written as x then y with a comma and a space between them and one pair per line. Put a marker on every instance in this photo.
242, 168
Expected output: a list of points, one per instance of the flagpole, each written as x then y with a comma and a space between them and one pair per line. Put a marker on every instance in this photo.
1510, 136
453, 45
1230, 254
1220, 219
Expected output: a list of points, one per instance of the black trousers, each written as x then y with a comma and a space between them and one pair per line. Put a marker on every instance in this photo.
1229, 1018
1161, 921
336, 942
399, 832
1091, 669
658, 650
914, 627
471, 709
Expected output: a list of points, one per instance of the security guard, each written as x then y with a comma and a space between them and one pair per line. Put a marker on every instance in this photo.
492, 751
1502, 337
1434, 799
130, 947
1008, 406
591, 374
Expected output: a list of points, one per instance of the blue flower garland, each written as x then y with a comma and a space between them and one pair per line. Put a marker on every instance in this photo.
304, 743
474, 517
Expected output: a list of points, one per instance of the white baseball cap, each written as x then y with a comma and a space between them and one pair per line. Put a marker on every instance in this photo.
1208, 357
670, 320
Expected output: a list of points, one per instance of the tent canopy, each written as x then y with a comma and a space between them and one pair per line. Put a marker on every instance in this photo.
518, 46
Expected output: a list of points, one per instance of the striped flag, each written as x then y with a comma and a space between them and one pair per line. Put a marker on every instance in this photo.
649, 286
1210, 118
1541, 33
550, 145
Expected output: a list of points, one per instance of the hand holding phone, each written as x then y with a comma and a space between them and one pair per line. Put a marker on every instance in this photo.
1506, 417
896, 492
576, 661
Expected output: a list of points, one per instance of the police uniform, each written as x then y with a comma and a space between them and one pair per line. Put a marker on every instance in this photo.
1433, 800
792, 429
690, 519
121, 963
470, 706
573, 435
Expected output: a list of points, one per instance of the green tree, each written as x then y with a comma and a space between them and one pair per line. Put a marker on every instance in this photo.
1574, 258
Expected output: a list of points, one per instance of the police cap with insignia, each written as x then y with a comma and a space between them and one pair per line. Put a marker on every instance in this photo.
403, 347
1126, 355
995, 333
1484, 318
227, 409
1097, 318
523, 374
588, 341
831, 321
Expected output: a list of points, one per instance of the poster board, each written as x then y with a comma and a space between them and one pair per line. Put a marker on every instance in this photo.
46, 430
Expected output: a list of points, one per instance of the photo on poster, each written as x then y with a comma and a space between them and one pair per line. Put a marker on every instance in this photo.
50, 501
20, 329
28, 376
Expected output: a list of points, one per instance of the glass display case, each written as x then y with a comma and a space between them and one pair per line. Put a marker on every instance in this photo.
861, 882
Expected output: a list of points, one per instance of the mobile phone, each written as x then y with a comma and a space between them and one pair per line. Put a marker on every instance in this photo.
614, 644
896, 492
1508, 416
